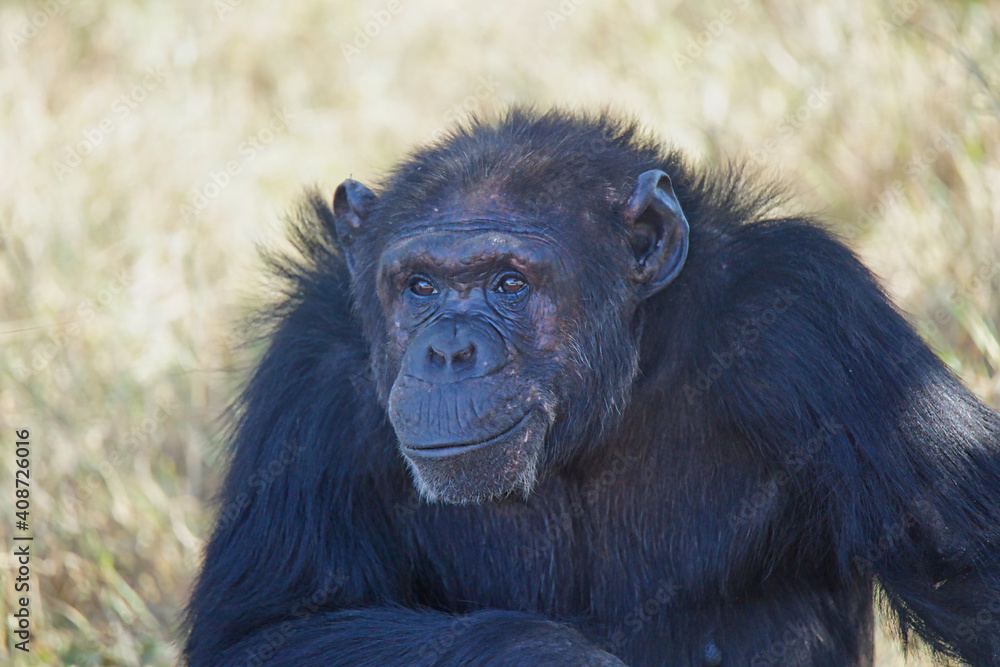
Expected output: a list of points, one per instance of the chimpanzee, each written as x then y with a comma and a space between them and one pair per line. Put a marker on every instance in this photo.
551, 395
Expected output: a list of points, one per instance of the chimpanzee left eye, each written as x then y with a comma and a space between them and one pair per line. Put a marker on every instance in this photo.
421, 286
511, 284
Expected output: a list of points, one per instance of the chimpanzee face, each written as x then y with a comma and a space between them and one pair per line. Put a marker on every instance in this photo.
477, 320
487, 327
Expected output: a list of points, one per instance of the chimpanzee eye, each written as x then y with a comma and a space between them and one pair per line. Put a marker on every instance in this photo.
511, 284
421, 286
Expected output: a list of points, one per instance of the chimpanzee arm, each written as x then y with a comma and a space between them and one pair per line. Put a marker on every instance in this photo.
895, 457
399, 636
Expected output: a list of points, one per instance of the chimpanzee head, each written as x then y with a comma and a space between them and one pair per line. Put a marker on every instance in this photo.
497, 277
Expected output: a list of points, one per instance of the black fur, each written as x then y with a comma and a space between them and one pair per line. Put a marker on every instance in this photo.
763, 441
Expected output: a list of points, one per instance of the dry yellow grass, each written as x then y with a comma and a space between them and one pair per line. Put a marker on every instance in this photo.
127, 254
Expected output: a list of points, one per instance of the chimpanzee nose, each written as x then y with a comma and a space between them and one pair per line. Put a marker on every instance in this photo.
452, 350
455, 349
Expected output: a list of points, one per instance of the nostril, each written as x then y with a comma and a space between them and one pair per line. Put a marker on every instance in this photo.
466, 354
435, 356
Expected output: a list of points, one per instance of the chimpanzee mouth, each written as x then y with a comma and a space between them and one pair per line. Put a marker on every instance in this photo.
446, 449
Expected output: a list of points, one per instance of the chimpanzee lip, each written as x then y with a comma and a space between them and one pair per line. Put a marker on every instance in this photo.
444, 450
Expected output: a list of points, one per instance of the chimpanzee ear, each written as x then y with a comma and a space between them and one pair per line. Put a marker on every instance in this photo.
352, 203
658, 230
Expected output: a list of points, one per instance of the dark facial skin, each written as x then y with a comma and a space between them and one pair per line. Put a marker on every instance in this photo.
474, 321
481, 309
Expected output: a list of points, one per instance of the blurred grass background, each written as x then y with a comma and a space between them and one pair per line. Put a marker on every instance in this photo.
128, 260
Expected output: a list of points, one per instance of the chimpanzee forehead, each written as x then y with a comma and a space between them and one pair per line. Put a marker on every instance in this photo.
469, 246
490, 204
485, 208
